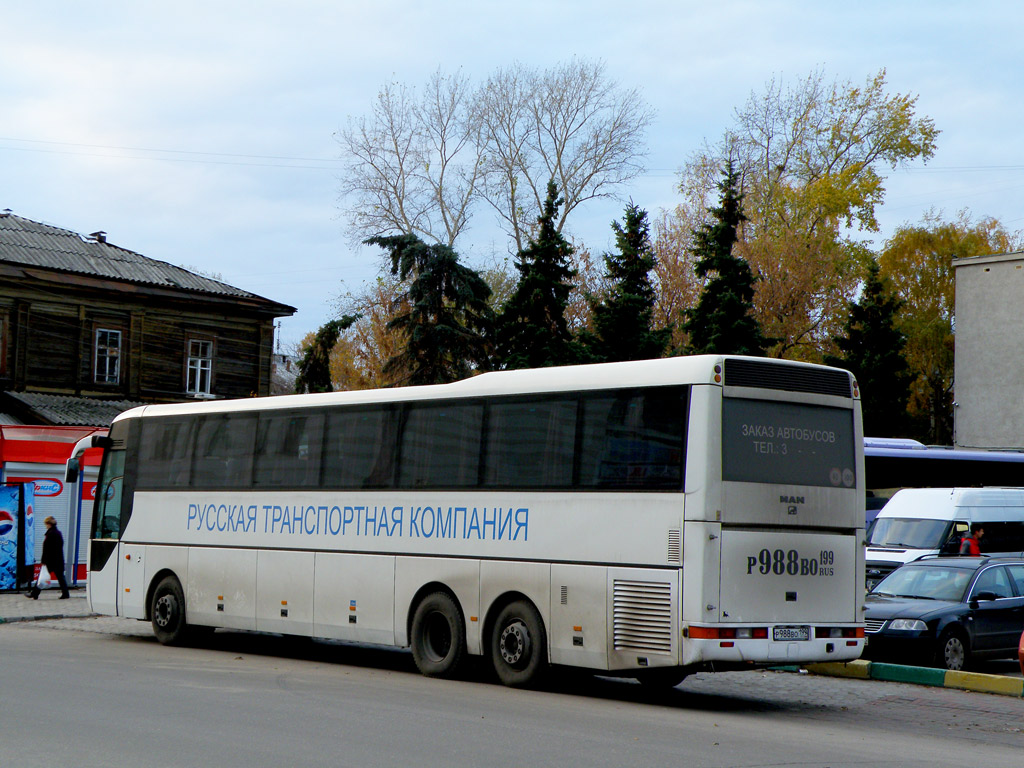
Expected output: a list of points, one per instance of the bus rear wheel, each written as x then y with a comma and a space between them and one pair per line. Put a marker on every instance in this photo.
168, 612
438, 636
519, 645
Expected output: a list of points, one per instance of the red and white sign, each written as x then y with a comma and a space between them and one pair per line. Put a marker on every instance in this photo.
45, 486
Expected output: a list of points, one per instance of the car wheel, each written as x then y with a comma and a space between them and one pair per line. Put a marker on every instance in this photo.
953, 650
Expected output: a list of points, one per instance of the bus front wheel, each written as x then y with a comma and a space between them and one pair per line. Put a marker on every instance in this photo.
438, 636
519, 645
168, 612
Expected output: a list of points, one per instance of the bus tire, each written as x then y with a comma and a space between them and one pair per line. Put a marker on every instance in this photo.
438, 636
168, 612
519, 645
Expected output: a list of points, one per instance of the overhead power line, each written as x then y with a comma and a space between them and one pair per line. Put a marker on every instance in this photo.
179, 155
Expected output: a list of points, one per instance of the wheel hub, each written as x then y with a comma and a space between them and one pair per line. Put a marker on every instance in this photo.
163, 610
954, 653
515, 643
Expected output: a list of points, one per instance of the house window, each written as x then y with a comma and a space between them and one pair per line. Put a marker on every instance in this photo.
108, 356
200, 367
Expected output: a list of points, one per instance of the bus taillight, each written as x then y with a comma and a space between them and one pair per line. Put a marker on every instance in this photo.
835, 633
727, 633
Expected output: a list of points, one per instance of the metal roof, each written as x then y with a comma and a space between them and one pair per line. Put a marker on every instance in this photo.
66, 410
31, 243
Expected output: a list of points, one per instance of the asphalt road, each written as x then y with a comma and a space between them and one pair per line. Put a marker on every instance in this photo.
102, 692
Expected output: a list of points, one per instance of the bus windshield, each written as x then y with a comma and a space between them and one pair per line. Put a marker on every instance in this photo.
910, 533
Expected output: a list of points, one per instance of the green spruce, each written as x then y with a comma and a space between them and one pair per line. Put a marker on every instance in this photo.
446, 322
532, 331
872, 348
315, 363
723, 320
623, 317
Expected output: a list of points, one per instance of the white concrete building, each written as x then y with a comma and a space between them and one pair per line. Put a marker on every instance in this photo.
989, 361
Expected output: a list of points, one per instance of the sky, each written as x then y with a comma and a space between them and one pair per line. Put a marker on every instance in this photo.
203, 134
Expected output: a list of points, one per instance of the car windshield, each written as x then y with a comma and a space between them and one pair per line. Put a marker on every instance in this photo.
925, 582
911, 533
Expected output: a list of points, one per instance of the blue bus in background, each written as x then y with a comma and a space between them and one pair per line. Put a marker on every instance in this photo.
894, 463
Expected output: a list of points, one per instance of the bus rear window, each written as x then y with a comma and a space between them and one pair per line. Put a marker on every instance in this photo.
765, 441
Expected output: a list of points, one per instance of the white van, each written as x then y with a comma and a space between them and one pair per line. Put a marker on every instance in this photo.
922, 521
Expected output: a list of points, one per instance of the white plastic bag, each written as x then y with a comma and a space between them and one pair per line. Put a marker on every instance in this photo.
45, 579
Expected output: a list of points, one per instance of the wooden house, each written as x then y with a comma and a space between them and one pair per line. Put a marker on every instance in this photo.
88, 328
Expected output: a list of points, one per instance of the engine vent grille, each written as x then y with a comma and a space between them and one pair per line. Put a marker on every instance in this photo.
675, 547
790, 378
642, 616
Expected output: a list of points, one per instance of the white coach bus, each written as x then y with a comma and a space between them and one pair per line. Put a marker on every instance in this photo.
645, 519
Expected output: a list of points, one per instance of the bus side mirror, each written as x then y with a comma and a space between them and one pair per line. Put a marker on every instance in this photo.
101, 441
71, 473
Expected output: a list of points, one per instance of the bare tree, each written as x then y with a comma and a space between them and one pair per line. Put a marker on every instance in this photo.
413, 166
570, 124
418, 164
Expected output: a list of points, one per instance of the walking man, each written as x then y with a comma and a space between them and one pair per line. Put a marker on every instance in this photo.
53, 558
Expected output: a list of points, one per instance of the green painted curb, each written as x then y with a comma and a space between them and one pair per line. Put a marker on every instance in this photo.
897, 673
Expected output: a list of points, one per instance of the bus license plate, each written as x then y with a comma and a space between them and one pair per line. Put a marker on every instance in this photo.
791, 633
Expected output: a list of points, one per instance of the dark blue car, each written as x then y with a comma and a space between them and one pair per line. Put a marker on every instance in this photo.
946, 611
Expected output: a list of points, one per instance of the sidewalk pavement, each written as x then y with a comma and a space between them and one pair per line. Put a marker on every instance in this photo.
14, 607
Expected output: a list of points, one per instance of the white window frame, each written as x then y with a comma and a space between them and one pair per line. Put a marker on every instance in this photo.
199, 368
107, 357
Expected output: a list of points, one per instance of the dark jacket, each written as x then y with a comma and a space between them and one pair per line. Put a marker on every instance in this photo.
53, 550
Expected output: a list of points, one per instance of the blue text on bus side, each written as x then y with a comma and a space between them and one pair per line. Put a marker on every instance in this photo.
424, 522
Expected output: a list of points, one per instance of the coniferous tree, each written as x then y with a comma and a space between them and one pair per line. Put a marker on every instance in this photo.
448, 319
532, 331
873, 350
723, 320
622, 319
314, 365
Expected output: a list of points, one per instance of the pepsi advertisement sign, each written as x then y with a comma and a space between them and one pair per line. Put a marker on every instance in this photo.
13, 499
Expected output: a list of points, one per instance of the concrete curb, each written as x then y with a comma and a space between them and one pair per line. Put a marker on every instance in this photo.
15, 619
898, 673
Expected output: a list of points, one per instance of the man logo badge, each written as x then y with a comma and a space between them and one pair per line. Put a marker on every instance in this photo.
791, 502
